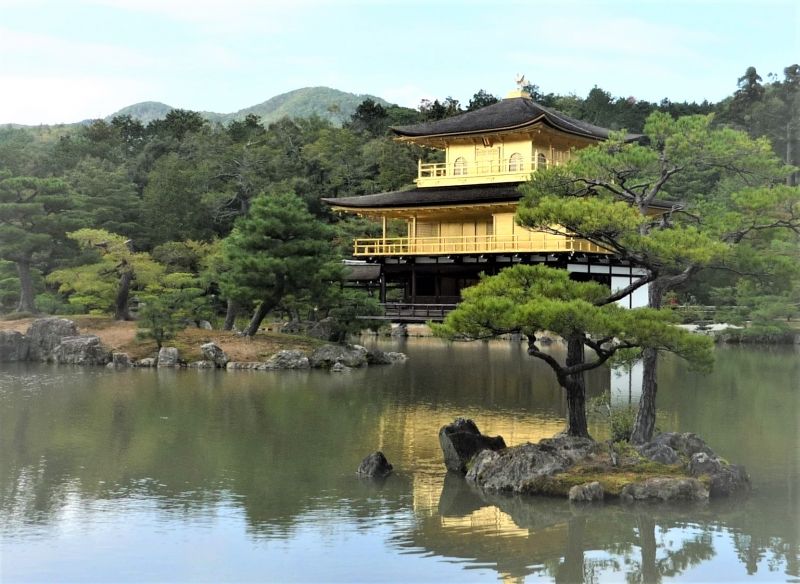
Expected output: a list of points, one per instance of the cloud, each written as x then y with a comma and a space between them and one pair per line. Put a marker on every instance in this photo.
407, 95
58, 99
213, 16
51, 54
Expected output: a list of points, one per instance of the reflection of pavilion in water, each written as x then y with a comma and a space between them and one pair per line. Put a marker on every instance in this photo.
521, 536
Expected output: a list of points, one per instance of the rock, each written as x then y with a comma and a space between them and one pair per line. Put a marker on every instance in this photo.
701, 463
340, 368
205, 325
288, 359
146, 362
378, 357
461, 441
587, 492
665, 489
349, 355
729, 480
375, 465
168, 357
521, 468
204, 364
399, 330
726, 479
45, 334
120, 360
212, 352
245, 365
659, 452
81, 350
13, 346
685, 444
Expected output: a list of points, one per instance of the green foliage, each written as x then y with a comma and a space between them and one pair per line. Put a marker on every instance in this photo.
346, 305
175, 208
277, 253
167, 306
528, 299
94, 286
183, 256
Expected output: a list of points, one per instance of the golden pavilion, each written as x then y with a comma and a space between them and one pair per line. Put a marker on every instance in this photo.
460, 217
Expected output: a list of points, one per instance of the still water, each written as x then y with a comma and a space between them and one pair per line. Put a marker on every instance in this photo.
147, 475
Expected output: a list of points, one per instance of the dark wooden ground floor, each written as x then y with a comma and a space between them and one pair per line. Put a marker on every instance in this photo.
419, 288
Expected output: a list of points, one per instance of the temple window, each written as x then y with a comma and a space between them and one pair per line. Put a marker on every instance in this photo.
460, 166
515, 162
541, 161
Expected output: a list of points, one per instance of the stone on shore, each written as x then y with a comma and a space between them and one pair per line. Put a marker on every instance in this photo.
168, 357
375, 465
523, 468
461, 441
287, 359
587, 492
665, 489
699, 460
13, 346
245, 365
202, 364
120, 360
212, 352
45, 334
80, 350
327, 356
146, 362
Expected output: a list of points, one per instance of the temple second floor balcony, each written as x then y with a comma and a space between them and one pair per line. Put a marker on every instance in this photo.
517, 168
534, 242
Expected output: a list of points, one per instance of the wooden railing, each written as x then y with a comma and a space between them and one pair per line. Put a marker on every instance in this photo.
516, 168
408, 312
468, 244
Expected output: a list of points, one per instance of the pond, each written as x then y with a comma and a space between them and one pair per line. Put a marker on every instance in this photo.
161, 475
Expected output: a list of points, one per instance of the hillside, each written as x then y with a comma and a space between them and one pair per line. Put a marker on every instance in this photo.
145, 111
332, 104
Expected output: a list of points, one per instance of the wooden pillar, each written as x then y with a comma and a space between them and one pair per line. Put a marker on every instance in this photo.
437, 283
413, 282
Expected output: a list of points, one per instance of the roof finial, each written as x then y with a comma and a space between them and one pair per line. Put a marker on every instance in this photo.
520, 90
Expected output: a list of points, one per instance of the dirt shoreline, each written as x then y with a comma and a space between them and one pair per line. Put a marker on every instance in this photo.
120, 337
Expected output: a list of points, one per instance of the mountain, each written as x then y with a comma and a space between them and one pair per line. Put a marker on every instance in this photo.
331, 104
145, 111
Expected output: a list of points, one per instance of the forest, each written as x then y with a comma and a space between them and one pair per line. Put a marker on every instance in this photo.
162, 221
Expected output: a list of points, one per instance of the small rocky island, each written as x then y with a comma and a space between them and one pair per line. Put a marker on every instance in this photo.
58, 340
671, 467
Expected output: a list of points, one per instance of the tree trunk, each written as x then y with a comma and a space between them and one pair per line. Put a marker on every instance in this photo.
121, 311
575, 387
646, 526
230, 315
645, 423
573, 568
258, 316
25, 287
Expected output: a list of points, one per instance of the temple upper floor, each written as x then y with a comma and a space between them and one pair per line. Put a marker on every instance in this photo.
501, 143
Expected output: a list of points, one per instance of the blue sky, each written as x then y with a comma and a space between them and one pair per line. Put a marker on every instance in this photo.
67, 60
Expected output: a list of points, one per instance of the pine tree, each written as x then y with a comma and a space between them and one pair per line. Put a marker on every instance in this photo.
278, 250
529, 299
726, 190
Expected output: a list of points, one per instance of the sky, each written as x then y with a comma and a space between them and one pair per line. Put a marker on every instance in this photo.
63, 61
